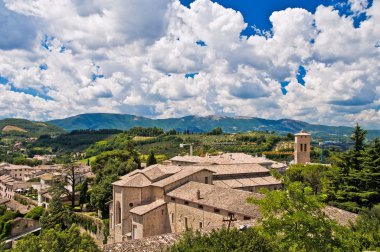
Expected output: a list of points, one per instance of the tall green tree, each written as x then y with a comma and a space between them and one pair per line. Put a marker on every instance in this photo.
71, 172
151, 159
358, 136
57, 213
294, 218
83, 197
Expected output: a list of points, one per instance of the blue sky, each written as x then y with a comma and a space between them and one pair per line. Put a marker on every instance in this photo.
309, 60
257, 12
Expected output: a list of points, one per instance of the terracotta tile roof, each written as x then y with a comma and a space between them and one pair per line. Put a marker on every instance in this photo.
16, 167
225, 158
237, 169
158, 171
190, 170
155, 172
138, 180
231, 200
7, 180
278, 165
144, 209
302, 133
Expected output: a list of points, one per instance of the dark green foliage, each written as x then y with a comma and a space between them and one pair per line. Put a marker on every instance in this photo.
318, 177
148, 132
6, 230
108, 167
358, 136
118, 162
18, 159
6, 219
151, 159
101, 193
120, 141
57, 240
216, 131
84, 196
367, 229
33, 129
196, 124
85, 222
57, 214
358, 186
35, 213
77, 140
224, 241
294, 218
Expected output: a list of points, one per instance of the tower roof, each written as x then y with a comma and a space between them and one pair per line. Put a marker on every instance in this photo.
302, 133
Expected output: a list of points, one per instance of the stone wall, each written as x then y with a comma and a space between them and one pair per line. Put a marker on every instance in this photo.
23, 225
92, 225
158, 243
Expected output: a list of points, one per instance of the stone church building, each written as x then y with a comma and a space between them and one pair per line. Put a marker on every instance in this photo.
170, 198
200, 193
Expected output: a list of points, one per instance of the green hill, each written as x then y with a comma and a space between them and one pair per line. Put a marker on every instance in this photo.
22, 127
204, 124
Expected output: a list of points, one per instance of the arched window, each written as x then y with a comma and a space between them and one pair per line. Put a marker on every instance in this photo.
305, 148
118, 213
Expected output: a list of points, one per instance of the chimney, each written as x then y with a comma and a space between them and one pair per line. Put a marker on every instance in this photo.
198, 194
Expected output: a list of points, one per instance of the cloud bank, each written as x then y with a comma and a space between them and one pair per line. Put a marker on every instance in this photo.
162, 59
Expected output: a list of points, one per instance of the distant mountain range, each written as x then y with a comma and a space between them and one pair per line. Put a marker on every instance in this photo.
203, 124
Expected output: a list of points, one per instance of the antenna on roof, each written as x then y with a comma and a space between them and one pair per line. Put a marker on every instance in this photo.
182, 145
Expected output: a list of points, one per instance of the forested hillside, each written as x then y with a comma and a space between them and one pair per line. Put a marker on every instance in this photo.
196, 124
26, 128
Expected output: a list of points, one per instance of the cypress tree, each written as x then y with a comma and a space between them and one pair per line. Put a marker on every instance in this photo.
151, 159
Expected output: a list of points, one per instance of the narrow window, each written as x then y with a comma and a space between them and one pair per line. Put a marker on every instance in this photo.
118, 213
305, 148
301, 147
246, 218
200, 206
200, 224
186, 224
162, 211
216, 210
186, 203
172, 217
173, 199
206, 180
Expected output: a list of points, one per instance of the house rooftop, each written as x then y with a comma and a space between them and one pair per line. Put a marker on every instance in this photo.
241, 182
144, 209
158, 171
188, 171
302, 133
225, 158
231, 200
7, 180
16, 167
236, 169
136, 180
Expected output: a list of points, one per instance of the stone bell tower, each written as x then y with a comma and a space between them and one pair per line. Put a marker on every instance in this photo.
302, 147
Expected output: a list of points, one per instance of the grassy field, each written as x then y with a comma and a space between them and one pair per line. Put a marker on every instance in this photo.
10, 128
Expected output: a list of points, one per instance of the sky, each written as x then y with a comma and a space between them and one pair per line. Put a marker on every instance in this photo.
311, 60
